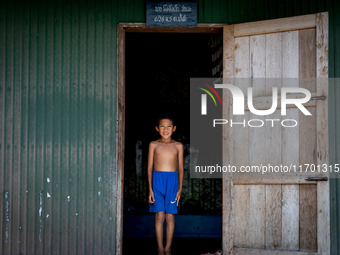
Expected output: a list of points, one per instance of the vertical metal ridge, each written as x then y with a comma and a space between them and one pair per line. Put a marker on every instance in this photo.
8, 131
49, 102
3, 30
90, 130
41, 86
73, 173
57, 130
24, 130
66, 197
82, 130
31, 202
17, 53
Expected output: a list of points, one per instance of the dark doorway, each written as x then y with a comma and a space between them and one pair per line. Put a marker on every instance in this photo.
158, 71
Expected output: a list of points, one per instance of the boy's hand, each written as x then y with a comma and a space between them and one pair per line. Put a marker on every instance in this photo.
178, 196
151, 198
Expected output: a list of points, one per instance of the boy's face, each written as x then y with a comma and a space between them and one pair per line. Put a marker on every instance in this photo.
165, 128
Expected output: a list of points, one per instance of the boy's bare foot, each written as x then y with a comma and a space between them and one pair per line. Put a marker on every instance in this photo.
167, 252
160, 252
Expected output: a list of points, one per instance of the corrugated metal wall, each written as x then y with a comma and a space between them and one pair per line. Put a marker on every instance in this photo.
58, 112
57, 128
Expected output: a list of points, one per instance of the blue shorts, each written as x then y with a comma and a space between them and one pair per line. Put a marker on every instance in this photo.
165, 187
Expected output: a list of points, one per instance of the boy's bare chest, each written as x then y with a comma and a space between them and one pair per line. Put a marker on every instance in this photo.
166, 150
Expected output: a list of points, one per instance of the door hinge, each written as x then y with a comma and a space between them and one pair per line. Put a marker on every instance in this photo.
318, 179
318, 98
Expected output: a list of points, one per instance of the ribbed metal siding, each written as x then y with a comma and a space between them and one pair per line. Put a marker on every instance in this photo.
58, 111
57, 128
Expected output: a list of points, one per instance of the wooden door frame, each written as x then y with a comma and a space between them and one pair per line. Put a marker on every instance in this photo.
320, 23
122, 28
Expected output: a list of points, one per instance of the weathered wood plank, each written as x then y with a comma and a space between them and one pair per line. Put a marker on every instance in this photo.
290, 217
273, 72
245, 251
273, 204
257, 216
241, 212
267, 178
273, 59
201, 28
273, 26
307, 140
322, 130
241, 134
308, 217
290, 145
307, 57
227, 158
120, 137
290, 58
257, 136
257, 58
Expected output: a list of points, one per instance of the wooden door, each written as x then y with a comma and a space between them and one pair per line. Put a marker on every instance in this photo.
284, 214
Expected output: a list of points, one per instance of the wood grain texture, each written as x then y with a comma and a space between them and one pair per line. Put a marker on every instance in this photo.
290, 217
120, 137
257, 136
290, 146
308, 217
272, 26
273, 72
273, 216
245, 251
257, 216
241, 213
307, 57
227, 158
322, 129
241, 134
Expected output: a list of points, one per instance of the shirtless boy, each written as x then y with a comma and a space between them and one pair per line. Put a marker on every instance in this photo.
165, 184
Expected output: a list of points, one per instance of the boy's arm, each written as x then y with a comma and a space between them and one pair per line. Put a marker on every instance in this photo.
150, 166
180, 172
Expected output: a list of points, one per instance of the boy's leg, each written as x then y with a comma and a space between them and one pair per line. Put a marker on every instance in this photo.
159, 221
170, 228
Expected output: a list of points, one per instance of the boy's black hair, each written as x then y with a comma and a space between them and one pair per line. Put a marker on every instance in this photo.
165, 117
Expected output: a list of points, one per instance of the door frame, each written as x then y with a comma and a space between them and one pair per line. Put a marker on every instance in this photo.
122, 29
